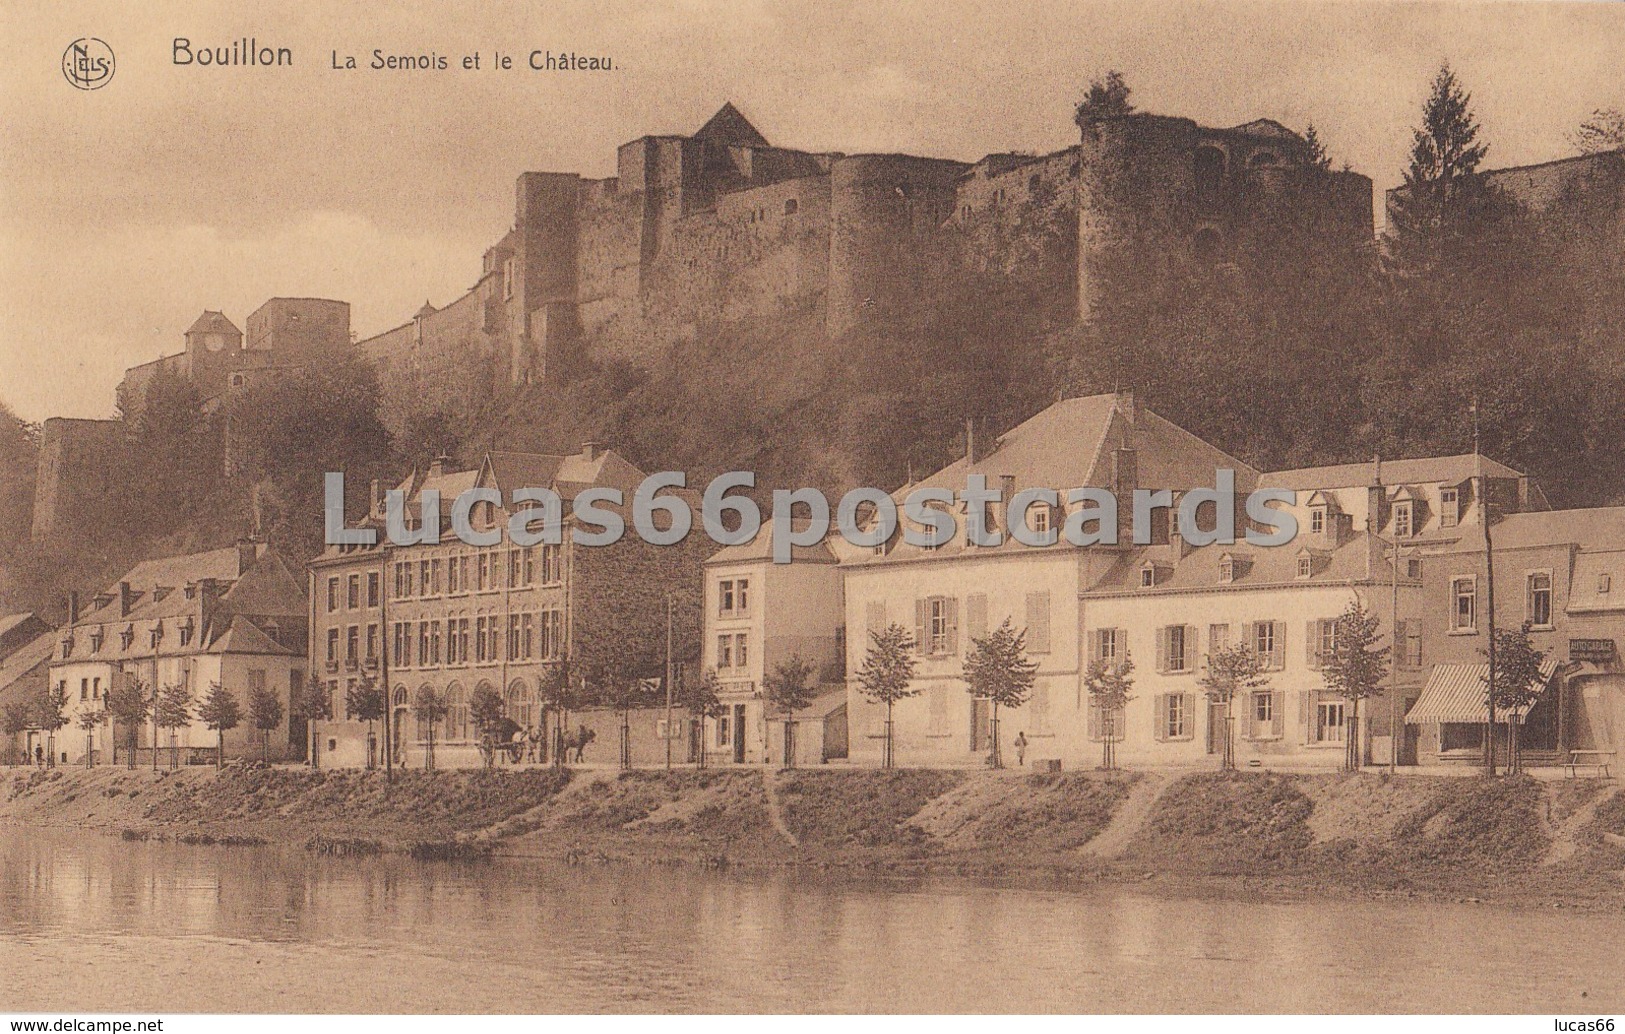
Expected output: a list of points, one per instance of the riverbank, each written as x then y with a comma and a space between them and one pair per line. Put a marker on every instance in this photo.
1511, 840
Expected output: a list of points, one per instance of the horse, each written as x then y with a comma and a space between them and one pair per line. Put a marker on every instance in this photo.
576, 741
502, 736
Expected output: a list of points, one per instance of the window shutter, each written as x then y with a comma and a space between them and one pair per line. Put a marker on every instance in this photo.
1413, 633
1399, 653
1162, 648
953, 625
1162, 716
1278, 651
1094, 721
1187, 728
1529, 597
1242, 707
1038, 622
1193, 659
875, 615
976, 615
1277, 705
1250, 630
1311, 647
1094, 645
921, 612
1306, 708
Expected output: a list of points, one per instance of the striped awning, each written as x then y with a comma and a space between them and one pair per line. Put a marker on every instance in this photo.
1455, 693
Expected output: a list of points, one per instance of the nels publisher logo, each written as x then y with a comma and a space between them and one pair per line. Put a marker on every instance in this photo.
88, 63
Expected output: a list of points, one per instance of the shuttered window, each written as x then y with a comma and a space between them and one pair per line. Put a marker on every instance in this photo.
1038, 638
1038, 709
936, 626
1269, 642
875, 618
1175, 717
976, 616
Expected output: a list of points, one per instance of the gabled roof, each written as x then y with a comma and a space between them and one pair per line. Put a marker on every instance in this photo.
1360, 558
1598, 528
728, 126
213, 322
760, 549
1449, 470
12, 621
242, 636
26, 671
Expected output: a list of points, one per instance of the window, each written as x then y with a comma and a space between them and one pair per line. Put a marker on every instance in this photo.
1317, 519
1402, 520
96, 688
480, 640
1227, 570
1038, 518
1148, 576
372, 588
187, 629
1218, 638
1538, 601
84, 689
352, 598
1109, 644
725, 596
1464, 605
723, 737
1038, 710
372, 643
1175, 716
332, 645
1306, 566
1178, 649
1449, 508
937, 720
462, 640
1413, 568
940, 625
1104, 724
352, 644
552, 565
725, 651
97, 637
434, 642
424, 656
1322, 642
126, 638
507, 280
1605, 584
790, 206
552, 634
1263, 712
1408, 642
332, 595
1327, 720
514, 642
1269, 644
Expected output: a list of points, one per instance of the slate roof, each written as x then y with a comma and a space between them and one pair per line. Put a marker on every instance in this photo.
1361, 558
213, 322
1449, 470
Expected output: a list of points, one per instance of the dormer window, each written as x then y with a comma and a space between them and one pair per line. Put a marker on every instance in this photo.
1449, 507
1227, 570
126, 638
1402, 520
1038, 519
157, 635
1148, 575
187, 629
1306, 565
67, 647
1317, 520
96, 641
1605, 583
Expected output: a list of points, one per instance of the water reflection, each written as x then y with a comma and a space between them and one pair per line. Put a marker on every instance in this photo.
89, 922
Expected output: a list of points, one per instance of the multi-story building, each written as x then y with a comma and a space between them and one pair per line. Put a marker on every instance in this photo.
949, 593
458, 619
758, 615
232, 616
1559, 572
1169, 608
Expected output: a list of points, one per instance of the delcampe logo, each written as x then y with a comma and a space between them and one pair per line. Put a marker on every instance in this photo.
88, 63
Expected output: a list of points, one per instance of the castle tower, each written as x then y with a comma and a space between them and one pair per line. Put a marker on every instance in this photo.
214, 347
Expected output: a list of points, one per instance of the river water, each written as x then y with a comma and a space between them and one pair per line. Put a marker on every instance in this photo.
90, 923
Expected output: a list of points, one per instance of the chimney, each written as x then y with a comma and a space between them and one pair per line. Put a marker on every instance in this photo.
73, 606
589, 451
1125, 479
1126, 404
1376, 498
377, 498
438, 467
248, 551
971, 455
126, 599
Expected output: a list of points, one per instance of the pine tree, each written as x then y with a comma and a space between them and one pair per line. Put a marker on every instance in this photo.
1355, 671
1603, 130
997, 670
1105, 98
220, 712
1442, 192
887, 675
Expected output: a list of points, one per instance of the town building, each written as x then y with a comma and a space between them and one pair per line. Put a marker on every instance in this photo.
233, 616
27, 646
455, 620
1560, 573
759, 615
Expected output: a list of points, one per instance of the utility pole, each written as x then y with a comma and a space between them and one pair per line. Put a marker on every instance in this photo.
1486, 515
1395, 655
668, 681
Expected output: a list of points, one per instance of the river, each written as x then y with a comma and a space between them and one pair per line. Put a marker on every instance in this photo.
91, 923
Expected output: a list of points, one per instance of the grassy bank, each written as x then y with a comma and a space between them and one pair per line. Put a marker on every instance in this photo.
1512, 839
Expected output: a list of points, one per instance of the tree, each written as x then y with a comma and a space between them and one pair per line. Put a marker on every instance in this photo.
614, 667
316, 704
486, 708
1315, 153
1109, 683
702, 697
129, 704
51, 714
174, 710
997, 669
365, 702
430, 709
90, 721
18, 719
1517, 684
789, 687
1106, 98
266, 712
561, 694
887, 675
1231, 672
1603, 130
1355, 670
1441, 187
220, 711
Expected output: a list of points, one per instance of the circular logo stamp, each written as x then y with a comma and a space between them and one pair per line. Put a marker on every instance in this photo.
88, 63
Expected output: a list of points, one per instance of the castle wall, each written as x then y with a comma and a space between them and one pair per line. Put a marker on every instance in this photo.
607, 260
77, 473
297, 327
1577, 201
1011, 214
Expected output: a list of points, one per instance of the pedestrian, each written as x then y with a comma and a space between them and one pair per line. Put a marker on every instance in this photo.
1021, 749
39, 756
533, 740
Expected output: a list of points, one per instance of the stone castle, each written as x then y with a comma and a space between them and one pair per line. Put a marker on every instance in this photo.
719, 227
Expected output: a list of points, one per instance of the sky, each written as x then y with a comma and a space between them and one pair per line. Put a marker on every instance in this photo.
128, 210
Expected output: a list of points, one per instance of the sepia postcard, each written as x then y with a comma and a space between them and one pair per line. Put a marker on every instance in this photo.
735, 508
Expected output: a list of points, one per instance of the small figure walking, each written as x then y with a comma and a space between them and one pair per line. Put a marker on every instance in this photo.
532, 740
39, 755
1021, 749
